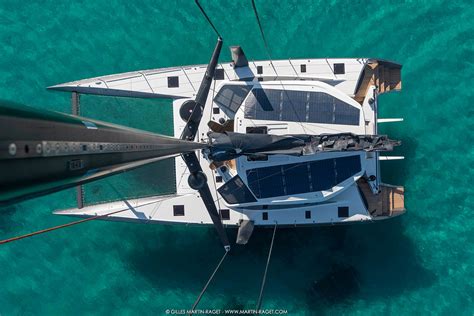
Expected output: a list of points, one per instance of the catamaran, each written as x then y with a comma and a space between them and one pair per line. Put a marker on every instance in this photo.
295, 142
256, 143
290, 142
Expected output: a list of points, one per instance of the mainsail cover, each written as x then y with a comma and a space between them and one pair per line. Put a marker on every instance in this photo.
226, 146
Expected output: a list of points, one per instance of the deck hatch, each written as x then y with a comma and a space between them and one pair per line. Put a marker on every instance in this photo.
256, 130
299, 106
230, 97
178, 210
339, 69
219, 74
343, 211
173, 82
235, 191
225, 214
294, 178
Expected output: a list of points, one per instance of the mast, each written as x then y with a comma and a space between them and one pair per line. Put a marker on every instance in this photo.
43, 151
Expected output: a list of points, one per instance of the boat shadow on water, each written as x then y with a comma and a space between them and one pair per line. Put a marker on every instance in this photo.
321, 267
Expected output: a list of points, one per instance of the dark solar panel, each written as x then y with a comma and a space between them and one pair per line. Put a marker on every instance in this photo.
264, 104
345, 114
321, 108
301, 178
252, 182
346, 167
299, 106
266, 182
294, 106
296, 179
323, 175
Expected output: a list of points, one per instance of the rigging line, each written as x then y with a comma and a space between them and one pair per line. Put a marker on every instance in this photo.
263, 35
182, 176
59, 227
225, 72
259, 302
213, 96
291, 64
125, 200
220, 38
207, 18
210, 118
208, 282
189, 80
271, 62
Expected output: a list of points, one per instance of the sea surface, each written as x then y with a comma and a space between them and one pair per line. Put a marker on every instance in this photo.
419, 264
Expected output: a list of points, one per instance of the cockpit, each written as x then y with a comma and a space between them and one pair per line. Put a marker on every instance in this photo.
293, 179
258, 108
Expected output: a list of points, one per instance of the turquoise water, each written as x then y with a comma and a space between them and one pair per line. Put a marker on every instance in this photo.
421, 263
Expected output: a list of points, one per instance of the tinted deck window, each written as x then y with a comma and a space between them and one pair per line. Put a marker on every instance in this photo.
231, 96
235, 191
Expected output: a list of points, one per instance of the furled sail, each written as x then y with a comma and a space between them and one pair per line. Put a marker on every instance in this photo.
226, 146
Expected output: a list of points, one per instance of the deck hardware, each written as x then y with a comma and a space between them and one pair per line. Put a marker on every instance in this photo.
225, 214
173, 82
12, 149
178, 210
343, 211
339, 69
219, 74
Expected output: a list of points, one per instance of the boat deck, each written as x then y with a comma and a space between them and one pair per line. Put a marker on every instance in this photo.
389, 202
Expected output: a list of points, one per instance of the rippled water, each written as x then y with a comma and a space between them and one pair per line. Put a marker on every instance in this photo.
421, 263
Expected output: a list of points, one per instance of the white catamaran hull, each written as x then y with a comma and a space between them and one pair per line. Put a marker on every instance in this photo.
357, 83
